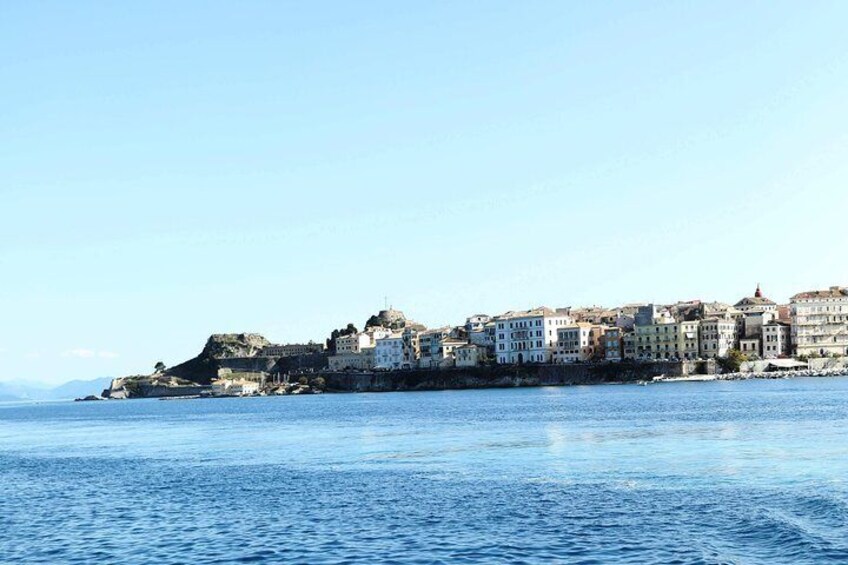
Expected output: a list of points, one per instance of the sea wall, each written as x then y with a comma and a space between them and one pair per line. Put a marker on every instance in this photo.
502, 376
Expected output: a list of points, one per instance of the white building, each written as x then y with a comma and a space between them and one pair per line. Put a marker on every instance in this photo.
353, 343
477, 322
718, 336
388, 352
820, 322
356, 351
483, 335
529, 336
235, 387
775, 340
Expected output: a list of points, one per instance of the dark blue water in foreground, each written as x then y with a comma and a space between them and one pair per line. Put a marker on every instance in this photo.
738, 472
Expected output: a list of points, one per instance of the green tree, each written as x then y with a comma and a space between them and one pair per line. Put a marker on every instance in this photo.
159, 367
732, 362
350, 329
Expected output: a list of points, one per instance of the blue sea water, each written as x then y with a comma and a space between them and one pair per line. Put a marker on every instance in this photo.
719, 472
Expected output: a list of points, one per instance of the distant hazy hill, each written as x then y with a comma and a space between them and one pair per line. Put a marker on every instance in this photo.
69, 390
78, 389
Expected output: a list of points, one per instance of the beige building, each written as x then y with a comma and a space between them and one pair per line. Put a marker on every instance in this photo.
468, 355
820, 322
750, 346
668, 339
612, 344
362, 360
578, 342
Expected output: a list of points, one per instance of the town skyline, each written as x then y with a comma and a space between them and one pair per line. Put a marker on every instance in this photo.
188, 169
185, 350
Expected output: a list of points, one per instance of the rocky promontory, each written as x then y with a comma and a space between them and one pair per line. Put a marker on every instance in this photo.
196, 374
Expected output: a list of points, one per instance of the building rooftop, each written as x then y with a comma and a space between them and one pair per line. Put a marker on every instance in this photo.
832, 292
539, 311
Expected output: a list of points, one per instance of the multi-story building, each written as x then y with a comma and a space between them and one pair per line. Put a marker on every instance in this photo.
430, 344
612, 344
579, 342
667, 338
820, 322
477, 322
718, 336
388, 352
354, 343
528, 336
411, 347
628, 346
483, 336
362, 360
468, 355
356, 351
574, 343
775, 340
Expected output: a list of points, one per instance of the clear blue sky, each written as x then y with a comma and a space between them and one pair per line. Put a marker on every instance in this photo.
173, 169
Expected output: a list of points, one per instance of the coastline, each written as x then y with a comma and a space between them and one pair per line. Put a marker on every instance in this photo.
478, 378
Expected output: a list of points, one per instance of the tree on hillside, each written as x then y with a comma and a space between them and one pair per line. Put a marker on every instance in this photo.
374, 322
159, 367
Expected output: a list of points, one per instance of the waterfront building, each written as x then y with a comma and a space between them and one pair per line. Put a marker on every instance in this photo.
388, 352
235, 387
468, 355
411, 347
820, 322
482, 334
362, 360
628, 346
659, 335
718, 336
612, 344
775, 340
529, 336
430, 344
579, 342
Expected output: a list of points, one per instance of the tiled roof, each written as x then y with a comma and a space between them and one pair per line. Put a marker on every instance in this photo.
755, 301
832, 292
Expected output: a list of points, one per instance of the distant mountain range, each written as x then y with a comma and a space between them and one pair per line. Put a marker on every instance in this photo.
67, 391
